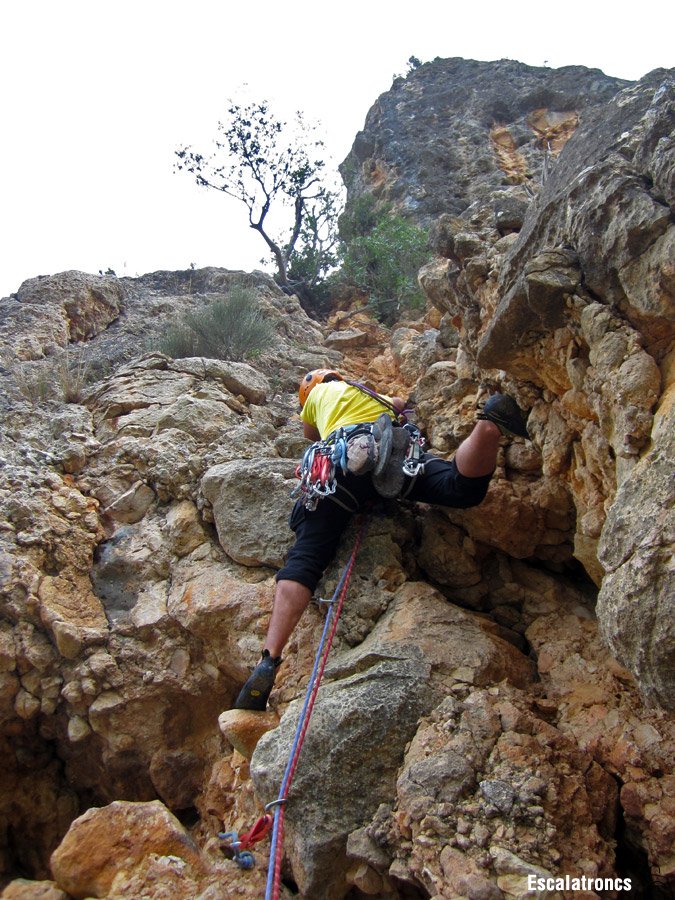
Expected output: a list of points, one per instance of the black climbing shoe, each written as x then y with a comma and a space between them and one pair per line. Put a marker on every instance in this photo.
505, 413
256, 691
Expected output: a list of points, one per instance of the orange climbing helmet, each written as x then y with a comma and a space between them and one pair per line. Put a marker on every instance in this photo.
316, 376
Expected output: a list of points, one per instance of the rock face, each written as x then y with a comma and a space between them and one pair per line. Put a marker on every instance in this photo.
496, 704
458, 131
419, 648
572, 307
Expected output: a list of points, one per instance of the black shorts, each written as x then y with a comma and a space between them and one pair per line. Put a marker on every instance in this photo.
318, 533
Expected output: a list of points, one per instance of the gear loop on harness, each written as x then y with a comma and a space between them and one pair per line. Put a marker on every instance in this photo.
317, 471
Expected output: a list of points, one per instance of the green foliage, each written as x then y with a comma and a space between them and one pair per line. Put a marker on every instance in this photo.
178, 341
72, 376
383, 255
316, 252
231, 327
364, 214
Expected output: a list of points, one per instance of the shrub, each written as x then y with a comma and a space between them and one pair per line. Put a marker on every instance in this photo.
383, 255
62, 378
231, 327
178, 341
35, 383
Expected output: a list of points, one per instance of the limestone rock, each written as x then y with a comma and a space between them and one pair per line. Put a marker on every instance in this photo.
636, 604
51, 311
72, 613
446, 554
469, 807
239, 378
456, 752
251, 506
414, 352
244, 728
598, 704
104, 843
347, 339
227, 613
523, 307
375, 697
23, 889
431, 145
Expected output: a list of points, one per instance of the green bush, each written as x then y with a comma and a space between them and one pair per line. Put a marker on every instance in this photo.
384, 252
232, 327
178, 341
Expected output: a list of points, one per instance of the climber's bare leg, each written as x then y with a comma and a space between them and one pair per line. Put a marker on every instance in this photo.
477, 455
290, 601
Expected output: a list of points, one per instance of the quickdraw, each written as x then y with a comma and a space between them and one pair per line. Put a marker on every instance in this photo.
412, 464
240, 846
317, 475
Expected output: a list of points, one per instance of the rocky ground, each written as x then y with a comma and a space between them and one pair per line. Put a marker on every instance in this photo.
497, 701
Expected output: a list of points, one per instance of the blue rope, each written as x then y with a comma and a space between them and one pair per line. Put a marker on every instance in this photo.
298, 731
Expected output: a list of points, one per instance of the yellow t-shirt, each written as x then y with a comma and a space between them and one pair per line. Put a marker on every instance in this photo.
334, 404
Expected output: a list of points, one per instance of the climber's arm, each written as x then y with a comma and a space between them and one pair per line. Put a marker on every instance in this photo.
310, 432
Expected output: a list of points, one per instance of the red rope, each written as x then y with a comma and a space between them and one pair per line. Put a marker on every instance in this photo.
277, 838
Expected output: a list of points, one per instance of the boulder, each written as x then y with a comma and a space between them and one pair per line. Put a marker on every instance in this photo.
54, 310
636, 604
113, 840
363, 718
472, 818
251, 504
23, 889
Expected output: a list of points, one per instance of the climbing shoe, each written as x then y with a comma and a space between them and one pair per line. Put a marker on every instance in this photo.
256, 691
505, 413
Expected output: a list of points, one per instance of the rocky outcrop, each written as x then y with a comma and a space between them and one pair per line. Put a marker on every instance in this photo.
52, 311
459, 131
483, 716
595, 342
113, 583
572, 309
377, 692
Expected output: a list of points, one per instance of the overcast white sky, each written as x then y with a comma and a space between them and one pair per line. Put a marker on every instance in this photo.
97, 95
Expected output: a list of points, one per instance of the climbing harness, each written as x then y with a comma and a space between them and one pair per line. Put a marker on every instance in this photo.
318, 469
329, 629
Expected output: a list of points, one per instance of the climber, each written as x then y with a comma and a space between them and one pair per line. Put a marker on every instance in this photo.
329, 403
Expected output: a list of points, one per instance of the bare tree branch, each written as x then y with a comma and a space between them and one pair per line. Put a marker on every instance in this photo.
263, 163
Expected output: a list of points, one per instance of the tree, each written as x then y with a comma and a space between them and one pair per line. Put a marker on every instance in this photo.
266, 163
382, 254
